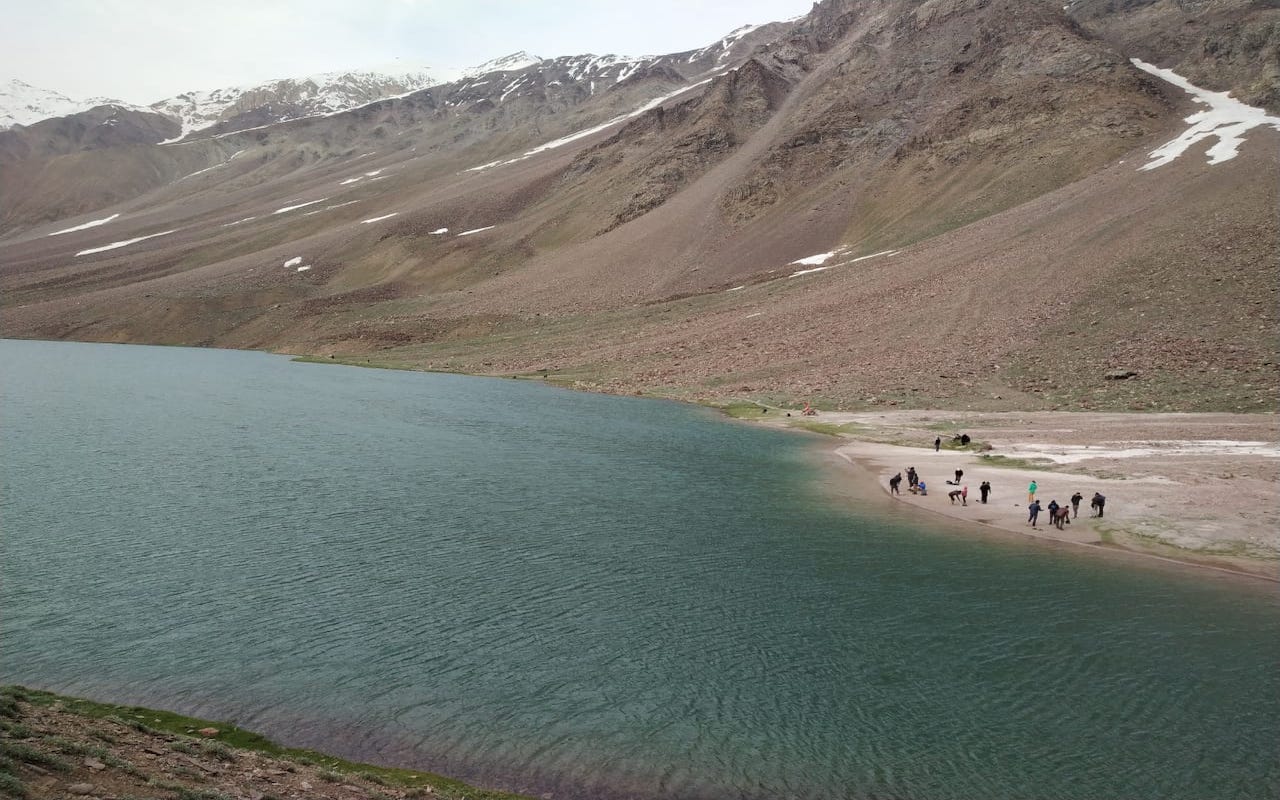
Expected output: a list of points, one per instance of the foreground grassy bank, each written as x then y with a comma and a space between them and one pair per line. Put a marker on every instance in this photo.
53, 746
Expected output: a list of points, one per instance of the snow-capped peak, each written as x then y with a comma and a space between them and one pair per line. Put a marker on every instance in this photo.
23, 104
507, 63
292, 98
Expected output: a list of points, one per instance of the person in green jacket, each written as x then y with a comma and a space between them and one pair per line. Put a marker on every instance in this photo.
1031, 492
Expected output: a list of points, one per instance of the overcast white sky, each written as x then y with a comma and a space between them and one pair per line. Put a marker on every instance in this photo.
141, 51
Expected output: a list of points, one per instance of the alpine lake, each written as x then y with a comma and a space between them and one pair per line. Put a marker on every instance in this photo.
556, 592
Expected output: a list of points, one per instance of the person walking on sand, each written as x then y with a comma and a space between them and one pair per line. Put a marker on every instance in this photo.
959, 475
1031, 492
1033, 511
893, 483
984, 490
1075, 504
937, 444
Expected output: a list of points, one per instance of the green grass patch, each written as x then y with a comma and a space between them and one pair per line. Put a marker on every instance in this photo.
104, 736
824, 428
743, 410
11, 786
217, 750
200, 794
235, 737
1015, 463
121, 764
74, 748
26, 754
9, 697
831, 428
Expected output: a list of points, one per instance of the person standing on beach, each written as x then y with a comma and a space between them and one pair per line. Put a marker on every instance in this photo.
964, 496
1033, 509
893, 483
1031, 492
1053, 510
937, 444
1075, 504
984, 490
959, 475
1099, 502
912, 477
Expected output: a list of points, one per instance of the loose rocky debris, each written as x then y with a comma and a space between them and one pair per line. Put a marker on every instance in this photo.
52, 747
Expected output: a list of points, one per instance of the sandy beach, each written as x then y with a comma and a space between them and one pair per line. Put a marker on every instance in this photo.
1195, 489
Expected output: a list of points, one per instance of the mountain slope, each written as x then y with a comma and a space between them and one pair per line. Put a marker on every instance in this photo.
883, 202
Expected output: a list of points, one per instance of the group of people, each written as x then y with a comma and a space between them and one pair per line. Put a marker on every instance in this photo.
914, 484
1059, 515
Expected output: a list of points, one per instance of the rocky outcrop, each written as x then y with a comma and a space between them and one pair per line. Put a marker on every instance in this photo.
1224, 45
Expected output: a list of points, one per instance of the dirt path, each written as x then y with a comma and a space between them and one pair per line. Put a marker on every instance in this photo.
1195, 488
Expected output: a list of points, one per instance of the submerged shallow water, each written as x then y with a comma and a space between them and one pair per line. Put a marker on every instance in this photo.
549, 591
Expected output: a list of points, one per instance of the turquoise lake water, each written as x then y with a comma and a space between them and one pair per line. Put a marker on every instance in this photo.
590, 596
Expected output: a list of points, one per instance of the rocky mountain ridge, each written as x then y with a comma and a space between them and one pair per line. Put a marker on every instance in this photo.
24, 104
289, 98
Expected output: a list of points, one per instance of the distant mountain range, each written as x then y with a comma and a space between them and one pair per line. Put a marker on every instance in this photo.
274, 101
240, 107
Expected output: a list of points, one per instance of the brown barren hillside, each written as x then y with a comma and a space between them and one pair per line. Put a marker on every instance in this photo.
959, 181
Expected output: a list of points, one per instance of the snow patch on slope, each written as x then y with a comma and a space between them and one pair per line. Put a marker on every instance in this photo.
125, 243
92, 224
654, 103
1226, 118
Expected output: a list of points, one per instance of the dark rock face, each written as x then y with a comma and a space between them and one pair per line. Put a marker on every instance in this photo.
1224, 45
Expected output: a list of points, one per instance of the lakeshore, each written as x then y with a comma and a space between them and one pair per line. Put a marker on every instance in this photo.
1196, 489
54, 746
